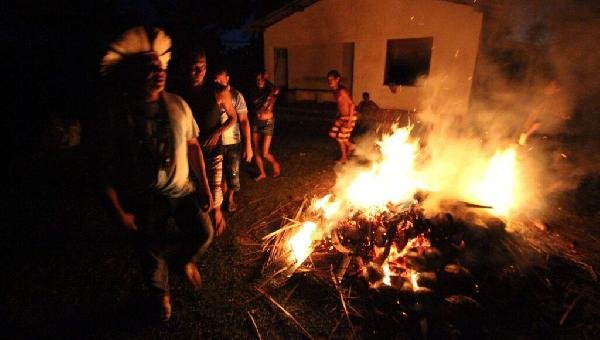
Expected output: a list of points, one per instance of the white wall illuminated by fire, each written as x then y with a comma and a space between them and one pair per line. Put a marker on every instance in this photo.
316, 37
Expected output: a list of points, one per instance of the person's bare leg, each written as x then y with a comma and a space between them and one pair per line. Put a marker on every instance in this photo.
269, 157
350, 147
225, 188
192, 274
258, 157
219, 221
165, 303
231, 206
343, 157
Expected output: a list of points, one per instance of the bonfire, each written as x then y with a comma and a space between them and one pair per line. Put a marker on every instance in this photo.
378, 218
406, 236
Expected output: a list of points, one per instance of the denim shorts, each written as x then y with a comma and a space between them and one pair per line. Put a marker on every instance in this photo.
232, 155
264, 127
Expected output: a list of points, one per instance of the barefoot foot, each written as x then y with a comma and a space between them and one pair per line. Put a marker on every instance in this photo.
276, 169
219, 222
231, 206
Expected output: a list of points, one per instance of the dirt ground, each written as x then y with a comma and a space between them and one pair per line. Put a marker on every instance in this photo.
72, 273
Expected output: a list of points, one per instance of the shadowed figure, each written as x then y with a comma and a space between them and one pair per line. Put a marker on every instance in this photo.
146, 141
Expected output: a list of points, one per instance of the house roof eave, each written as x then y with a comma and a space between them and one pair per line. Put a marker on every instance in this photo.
285, 11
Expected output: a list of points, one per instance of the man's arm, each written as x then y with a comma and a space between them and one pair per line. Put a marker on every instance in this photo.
345, 96
225, 102
196, 163
103, 140
242, 112
245, 127
351, 106
271, 98
126, 219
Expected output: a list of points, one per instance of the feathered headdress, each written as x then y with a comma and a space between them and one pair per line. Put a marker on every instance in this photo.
137, 41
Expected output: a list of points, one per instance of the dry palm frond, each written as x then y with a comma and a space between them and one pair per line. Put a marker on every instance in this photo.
281, 263
285, 312
255, 325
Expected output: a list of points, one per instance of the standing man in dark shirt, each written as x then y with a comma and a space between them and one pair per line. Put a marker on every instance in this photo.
367, 106
146, 139
208, 101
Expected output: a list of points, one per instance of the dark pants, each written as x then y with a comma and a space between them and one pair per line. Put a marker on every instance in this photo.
161, 247
232, 155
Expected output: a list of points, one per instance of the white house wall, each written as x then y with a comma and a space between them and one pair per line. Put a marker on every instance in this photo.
369, 24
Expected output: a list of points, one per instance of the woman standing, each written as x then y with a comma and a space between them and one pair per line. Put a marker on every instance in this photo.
263, 98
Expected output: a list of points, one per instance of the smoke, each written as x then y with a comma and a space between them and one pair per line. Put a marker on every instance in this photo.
536, 83
533, 107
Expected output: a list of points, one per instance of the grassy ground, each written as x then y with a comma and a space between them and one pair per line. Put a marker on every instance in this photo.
72, 273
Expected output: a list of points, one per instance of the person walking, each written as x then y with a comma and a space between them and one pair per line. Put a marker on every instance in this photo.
147, 144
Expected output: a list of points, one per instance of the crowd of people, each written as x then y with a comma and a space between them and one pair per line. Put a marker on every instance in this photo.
162, 155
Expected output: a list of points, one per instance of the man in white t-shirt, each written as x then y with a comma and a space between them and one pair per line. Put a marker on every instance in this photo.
147, 151
232, 141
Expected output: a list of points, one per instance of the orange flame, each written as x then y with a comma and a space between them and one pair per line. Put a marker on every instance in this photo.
301, 242
392, 180
395, 179
498, 188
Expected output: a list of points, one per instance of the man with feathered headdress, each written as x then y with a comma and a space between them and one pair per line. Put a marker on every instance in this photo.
147, 146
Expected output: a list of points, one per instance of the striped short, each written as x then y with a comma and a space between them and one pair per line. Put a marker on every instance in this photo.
214, 172
342, 128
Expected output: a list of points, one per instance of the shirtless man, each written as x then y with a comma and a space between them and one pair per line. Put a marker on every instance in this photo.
346, 118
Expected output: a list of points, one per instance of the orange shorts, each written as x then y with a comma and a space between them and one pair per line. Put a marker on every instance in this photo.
342, 127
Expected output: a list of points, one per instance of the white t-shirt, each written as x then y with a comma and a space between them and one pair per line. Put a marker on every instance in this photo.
232, 135
175, 180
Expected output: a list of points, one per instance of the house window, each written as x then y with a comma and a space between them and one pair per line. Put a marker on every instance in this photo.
407, 60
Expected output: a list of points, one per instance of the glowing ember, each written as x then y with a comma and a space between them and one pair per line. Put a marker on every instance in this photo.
386, 274
418, 242
414, 276
301, 241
